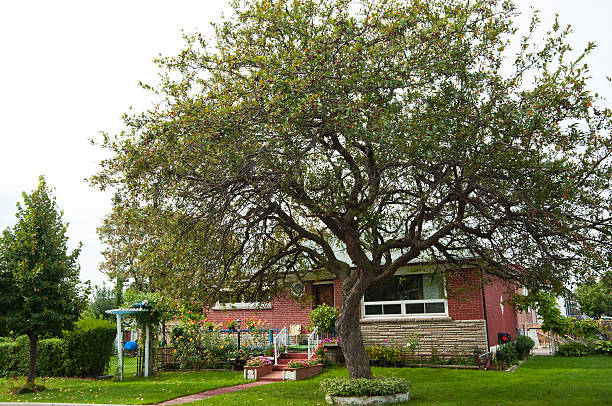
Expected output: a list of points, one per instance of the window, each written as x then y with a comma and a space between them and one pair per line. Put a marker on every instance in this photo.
230, 302
406, 295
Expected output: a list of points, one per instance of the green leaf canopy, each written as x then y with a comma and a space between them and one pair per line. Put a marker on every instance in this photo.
360, 136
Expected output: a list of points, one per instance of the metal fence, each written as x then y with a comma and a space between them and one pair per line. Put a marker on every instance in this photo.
166, 360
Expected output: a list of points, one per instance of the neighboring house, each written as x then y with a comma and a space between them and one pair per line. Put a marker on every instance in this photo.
569, 307
530, 323
457, 312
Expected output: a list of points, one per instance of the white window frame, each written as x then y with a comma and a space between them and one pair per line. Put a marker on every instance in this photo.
243, 306
403, 304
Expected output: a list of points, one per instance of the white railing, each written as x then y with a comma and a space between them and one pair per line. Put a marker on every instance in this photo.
280, 343
313, 342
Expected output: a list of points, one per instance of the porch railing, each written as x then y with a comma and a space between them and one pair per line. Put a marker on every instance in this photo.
313, 342
280, 343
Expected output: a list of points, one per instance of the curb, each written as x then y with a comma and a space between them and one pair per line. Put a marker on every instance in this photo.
55, 404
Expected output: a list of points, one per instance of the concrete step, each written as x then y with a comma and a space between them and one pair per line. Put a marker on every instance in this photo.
294, 355
274, 376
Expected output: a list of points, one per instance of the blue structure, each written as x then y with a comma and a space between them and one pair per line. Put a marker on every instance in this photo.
130, 345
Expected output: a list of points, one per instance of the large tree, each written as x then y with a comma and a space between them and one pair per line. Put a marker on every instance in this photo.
357, 137
40, 292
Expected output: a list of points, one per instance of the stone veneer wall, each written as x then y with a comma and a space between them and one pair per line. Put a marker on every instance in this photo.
443, 333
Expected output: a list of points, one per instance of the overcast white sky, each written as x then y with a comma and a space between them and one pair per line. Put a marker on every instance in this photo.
69, 69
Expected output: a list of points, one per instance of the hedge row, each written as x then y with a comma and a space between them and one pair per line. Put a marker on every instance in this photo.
578, 349
84, 351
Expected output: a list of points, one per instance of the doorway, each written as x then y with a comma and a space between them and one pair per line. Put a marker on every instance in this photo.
323, 294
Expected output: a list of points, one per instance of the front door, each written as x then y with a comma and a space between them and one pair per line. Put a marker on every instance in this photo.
324, 294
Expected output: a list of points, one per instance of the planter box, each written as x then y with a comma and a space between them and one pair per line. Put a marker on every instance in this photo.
257, 372
295, 374
368, 400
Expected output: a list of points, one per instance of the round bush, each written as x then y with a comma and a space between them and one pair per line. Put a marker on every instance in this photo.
524, 345
604, 347
324, 317
574, 349
364, 387
507, 353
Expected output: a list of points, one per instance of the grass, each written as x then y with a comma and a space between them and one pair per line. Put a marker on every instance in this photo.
539, 381
133, 390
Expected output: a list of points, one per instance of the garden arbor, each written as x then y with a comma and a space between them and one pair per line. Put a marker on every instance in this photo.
138, 309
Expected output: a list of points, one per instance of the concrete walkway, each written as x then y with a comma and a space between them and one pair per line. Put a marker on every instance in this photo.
541, 351
211, 393
178, 401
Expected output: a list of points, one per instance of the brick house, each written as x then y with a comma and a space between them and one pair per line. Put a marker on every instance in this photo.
455, 312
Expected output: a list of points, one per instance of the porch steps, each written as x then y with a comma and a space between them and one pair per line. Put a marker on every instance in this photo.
277, 370
286, 358
274, 376
294, 355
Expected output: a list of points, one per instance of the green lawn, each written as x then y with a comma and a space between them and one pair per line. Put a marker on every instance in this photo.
132, 390
539, 381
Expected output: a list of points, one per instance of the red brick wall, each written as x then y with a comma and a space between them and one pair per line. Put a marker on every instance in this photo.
464, 291
285, 310
465, 302
337, 293
499, 321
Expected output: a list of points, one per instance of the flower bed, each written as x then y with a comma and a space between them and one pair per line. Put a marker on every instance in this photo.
301, 369
379, 391
257, 367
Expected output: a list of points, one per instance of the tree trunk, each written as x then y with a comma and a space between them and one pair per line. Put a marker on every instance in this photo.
347, 326
32, 367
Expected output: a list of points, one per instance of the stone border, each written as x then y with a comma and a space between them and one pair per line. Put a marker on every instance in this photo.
368, 400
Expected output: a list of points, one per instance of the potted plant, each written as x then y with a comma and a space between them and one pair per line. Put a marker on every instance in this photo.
394, 356
374, 353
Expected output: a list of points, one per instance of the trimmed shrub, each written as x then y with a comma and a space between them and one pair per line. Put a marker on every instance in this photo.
5, 340
88, 348
7, 359
84, 352
524, 345
574, 349
507, 353
364, 387
604, 347
50, 357
22, 354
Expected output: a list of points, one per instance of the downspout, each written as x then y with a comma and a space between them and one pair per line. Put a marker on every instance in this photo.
484, 309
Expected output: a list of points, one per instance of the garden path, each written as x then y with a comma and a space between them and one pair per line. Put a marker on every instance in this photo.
210, 393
